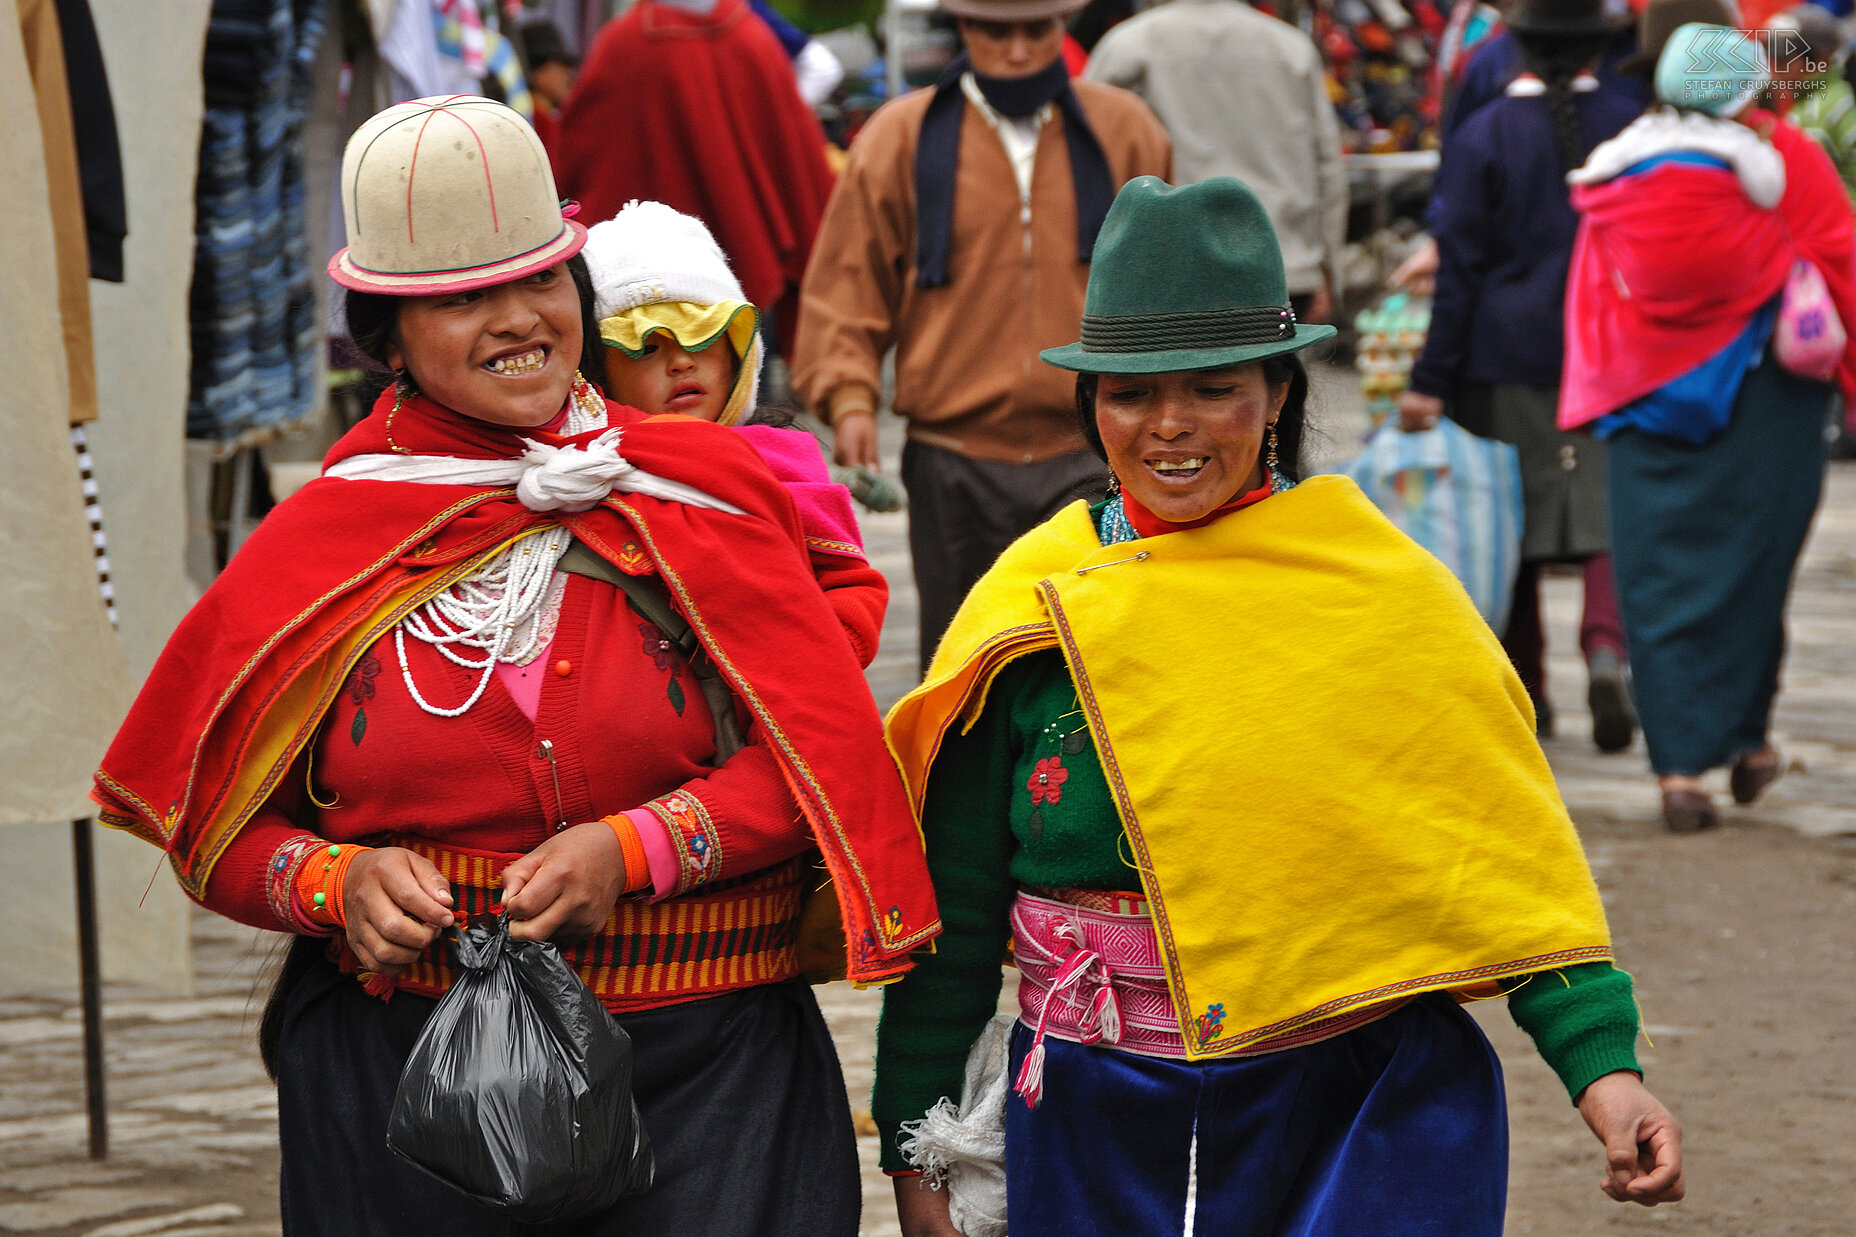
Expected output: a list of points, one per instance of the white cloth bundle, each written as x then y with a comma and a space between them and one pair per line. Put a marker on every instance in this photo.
963, 1148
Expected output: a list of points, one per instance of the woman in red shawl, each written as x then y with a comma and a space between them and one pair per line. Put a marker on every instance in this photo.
430, 684
1693, 220
693, 103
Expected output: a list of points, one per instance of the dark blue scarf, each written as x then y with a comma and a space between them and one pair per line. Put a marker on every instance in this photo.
937, 156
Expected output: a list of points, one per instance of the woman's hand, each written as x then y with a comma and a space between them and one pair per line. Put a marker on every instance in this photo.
396, 904
1419, 412
1643, 1143
921, 1209
566, 887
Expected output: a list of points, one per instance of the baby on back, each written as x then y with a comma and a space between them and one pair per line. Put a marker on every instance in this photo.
1706, 77
681, 339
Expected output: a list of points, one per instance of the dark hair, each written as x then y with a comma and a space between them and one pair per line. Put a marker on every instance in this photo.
374, 317
1556, 59
1290, 423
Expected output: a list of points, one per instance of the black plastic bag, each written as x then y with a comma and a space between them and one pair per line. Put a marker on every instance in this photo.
519, 1089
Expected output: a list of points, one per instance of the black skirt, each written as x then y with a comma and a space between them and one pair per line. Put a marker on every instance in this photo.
742, 1097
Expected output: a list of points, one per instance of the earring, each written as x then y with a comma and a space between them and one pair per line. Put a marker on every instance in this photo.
1114, 486
402, 391
1269, 460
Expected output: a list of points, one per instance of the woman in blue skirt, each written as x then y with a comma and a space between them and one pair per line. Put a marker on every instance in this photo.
1253, 794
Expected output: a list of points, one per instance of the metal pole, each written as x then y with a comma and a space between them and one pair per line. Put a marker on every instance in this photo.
91, 977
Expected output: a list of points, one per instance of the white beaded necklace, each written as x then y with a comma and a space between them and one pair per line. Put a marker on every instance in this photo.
497, 610
502, 608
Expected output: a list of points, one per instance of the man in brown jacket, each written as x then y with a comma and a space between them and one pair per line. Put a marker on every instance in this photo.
960, 232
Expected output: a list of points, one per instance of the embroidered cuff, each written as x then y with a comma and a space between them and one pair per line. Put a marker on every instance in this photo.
280, 883
693, 836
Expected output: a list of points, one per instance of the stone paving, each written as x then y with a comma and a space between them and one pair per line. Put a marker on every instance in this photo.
193, 1119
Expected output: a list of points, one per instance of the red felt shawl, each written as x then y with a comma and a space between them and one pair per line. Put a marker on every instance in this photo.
249, 673
1671, 264
701, 112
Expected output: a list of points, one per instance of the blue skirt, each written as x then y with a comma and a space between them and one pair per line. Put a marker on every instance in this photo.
1397, 1129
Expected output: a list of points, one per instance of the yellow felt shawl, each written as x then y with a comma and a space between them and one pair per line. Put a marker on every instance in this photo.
1322, 759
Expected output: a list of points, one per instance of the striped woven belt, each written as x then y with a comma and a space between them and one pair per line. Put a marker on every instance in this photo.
731, 935
1091, 971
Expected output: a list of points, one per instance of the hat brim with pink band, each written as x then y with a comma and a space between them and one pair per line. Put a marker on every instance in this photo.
449, 194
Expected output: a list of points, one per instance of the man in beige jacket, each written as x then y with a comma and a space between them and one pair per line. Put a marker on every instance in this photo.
960, 233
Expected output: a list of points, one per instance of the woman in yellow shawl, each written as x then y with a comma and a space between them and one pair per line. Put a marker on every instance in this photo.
1254, 795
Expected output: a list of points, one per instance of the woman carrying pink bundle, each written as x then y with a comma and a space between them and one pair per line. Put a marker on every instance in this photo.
1682, 350
682, 340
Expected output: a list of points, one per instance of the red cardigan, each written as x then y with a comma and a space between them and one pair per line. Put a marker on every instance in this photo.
265, 668
622, 737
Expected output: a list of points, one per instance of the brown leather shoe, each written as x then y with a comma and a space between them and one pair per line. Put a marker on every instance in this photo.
1689, 811
1753, 772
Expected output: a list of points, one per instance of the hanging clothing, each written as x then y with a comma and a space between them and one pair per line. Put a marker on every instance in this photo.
416, 67
99, 156
700, 111
258, 338
45, 59
1706, 540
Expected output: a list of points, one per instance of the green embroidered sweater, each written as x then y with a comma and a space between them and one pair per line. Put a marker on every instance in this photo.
991, 826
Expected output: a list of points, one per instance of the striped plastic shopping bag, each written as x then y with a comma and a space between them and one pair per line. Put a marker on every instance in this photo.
1458, 496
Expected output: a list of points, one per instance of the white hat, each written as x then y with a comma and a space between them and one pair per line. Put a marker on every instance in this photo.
447, 194
649, 252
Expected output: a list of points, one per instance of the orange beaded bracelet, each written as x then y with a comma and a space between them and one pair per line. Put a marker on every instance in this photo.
320, 882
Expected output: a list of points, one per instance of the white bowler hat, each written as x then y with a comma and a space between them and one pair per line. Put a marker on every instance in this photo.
447, 194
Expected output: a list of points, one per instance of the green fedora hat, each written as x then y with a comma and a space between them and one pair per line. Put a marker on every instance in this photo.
1185, 278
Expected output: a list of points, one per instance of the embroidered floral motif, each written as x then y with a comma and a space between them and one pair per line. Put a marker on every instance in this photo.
663, 655
361, 690
656, 645
1046, 781
699, 845
1211, 1023
361, 682
633, 561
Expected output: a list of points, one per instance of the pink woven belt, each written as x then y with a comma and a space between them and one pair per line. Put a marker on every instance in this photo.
1091, 971
1090, 974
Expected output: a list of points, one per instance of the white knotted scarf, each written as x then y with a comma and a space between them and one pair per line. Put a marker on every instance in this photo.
546, 478
505, 609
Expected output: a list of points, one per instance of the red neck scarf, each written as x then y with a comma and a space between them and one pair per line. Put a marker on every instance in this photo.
1147, 524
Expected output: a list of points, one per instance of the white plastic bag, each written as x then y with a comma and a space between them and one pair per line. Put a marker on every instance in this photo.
1458, 496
